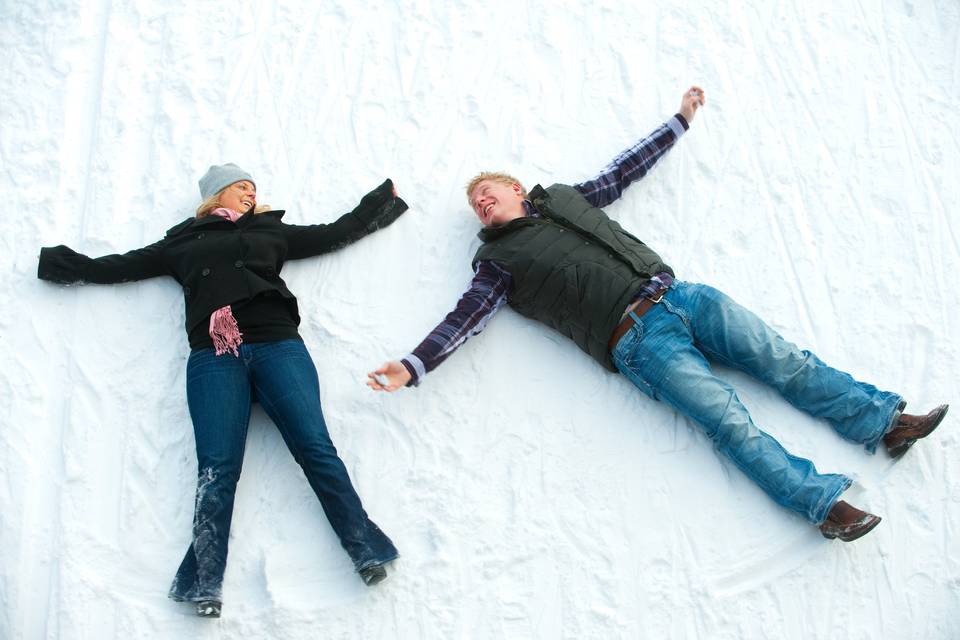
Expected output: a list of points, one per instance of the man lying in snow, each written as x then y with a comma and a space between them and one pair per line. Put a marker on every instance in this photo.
554, 256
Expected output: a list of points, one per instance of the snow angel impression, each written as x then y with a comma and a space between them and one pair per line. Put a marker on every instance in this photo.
241, 323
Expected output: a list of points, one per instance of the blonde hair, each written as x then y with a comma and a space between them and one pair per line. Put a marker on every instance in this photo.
494, 176
213, 202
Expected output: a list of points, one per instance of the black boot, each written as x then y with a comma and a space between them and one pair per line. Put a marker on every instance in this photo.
373, 574
209, 609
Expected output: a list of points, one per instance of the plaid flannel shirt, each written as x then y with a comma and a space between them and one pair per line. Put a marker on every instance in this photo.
490, 287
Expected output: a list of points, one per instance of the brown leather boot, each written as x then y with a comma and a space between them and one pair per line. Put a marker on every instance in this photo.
909, 429
847, 522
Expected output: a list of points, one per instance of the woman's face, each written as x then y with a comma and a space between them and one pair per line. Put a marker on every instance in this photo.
240, 196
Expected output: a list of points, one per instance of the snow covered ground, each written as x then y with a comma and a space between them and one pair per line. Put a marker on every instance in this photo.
531, 493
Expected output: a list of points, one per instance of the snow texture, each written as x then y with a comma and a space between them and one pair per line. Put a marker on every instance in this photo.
531, 493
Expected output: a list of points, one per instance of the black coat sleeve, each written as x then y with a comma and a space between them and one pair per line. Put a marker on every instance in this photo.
376, 210
64, 265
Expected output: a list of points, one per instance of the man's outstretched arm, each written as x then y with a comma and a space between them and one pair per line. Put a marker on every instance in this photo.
633, 163
486, 295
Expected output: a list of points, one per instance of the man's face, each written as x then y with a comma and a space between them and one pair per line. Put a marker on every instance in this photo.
496, 203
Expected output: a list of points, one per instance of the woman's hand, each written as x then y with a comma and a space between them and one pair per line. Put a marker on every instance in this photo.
693, 99
389, 377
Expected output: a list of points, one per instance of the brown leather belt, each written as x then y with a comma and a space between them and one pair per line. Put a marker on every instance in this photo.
638, 308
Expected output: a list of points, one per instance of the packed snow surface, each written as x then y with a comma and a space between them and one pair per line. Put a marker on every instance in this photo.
531, 493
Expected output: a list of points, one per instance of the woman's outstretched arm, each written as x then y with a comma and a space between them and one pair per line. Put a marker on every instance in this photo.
64, 265
376, 210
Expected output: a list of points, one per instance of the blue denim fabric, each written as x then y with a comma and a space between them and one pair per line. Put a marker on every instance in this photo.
667, 352
220, 390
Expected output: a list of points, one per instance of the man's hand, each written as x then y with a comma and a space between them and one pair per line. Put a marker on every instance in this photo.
394, 374
693, 99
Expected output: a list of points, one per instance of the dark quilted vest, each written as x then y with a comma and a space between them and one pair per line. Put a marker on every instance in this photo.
574, 269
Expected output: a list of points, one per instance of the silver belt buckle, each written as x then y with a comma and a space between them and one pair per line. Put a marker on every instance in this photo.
658, 298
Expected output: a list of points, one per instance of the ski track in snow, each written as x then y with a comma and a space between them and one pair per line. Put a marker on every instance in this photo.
531, 494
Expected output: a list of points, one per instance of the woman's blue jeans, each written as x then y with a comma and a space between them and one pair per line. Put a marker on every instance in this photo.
667, 352
220, 390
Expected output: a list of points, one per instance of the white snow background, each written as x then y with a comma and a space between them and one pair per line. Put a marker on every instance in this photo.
531, 493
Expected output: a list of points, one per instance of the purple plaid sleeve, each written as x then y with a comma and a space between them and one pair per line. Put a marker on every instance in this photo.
632, 164
487, 293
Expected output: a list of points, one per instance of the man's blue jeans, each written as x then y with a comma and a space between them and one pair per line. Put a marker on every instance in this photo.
220, 390
667, 352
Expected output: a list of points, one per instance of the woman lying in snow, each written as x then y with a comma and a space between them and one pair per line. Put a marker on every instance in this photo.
241, 322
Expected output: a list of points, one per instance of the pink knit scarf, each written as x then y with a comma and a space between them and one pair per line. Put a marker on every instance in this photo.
223, 326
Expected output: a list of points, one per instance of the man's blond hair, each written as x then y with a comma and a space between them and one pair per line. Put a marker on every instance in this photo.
493, 176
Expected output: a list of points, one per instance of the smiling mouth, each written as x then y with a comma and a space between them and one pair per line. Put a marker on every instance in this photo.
246, 203
486, 210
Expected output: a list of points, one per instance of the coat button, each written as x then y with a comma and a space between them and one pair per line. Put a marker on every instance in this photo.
199, 236
238, 264
186, 291
205, 271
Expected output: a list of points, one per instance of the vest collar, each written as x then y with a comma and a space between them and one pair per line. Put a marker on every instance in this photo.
538, 195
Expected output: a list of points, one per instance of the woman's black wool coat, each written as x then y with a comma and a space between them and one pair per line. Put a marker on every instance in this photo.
218, 262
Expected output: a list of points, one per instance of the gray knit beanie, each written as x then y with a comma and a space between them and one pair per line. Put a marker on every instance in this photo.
219, 176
